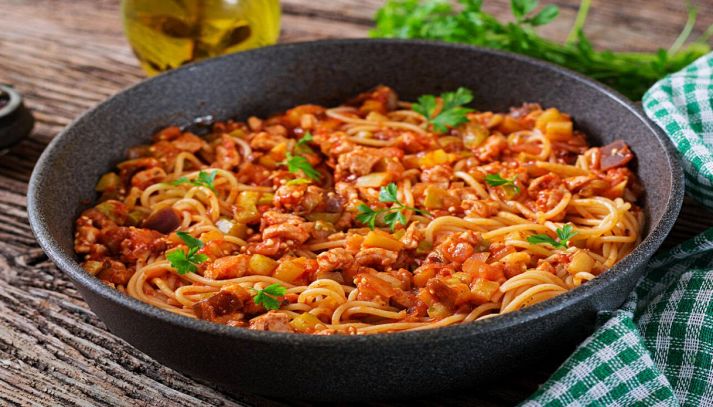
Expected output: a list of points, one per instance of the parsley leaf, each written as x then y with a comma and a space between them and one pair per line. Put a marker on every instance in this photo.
452, 112
465, 21
393, 215
367, 216
204, 179
302, 145
564, 235
496, 180
186, 262
267, 296
296, 163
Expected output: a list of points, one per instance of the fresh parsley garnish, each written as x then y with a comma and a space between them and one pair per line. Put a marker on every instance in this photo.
467, 22
452, 112
267, 296
187, 262
302, 146
204, 179
296, 163
393, 215
564, 235
496, 180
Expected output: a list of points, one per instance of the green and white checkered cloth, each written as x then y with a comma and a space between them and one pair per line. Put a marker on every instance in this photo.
657, 350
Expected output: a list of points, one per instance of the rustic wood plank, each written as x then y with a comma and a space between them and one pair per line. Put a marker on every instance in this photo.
67, 56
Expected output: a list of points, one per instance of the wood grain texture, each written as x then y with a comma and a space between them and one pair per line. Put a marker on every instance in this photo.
66, 56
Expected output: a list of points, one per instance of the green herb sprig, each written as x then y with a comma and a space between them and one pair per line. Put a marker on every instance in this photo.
393, 215
564, 235
187, 262
496, 180
297, 163
631, 73
204, 179
268, 296
452, 112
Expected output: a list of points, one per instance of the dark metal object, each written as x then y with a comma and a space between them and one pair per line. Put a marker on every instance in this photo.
16, 121
272, 79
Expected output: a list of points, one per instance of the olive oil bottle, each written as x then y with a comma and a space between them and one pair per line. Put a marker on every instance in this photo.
166, 34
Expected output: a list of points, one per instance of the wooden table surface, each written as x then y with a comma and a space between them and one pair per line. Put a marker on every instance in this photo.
66, 56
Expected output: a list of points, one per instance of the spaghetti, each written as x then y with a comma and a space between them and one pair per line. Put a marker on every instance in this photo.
365, 218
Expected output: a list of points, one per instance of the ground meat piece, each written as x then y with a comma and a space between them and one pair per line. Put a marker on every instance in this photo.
146, 178
439, 173
226, 153
286, 231
266, 141
335, 259
228, 300
139, 244
284, 227
376, 257
359, 162
300, 199
272, 321
189, 142
492, 148
227, 267
115, 272
412, 237
458, 247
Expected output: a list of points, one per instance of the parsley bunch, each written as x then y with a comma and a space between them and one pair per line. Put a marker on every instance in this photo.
204, 179
564, 235
297, 163
268, 296
496, 180
393, 215
187, 262
631, 73
451, 114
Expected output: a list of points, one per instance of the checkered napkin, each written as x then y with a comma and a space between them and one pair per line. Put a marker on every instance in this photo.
657, 350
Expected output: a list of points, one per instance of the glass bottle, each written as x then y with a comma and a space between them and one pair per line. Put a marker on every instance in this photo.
166, 34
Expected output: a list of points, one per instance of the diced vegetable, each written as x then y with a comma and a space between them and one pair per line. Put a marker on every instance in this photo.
616, 154
261, 265
246, 211
562, 170
509, 125
373, 180
549, 115
323, 216
231, 228
108, 182
211, 236
424, 247
266, 198
434, 197
482, 290
438, 310
559, 131
581, 262
135, 218
436, 157
289, 270
93, 267
422, 276
164, 220
474, 134
377, 238
304, 322
478, 268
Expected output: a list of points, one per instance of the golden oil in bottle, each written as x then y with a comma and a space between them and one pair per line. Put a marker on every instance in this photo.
166, 34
